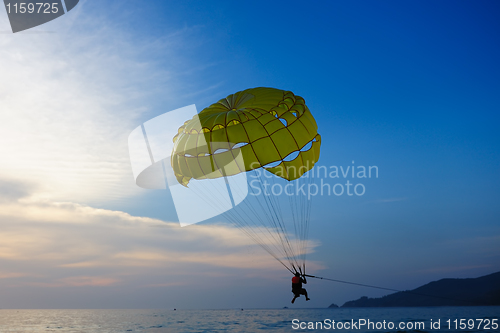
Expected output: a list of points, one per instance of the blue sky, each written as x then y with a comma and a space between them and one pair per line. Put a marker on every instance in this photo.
411, 87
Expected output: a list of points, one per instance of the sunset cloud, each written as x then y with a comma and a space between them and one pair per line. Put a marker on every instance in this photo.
68, 244
68, 104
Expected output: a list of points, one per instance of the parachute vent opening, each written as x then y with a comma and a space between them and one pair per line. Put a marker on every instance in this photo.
220, 151
272, 165
240, 144
307, 146
217, 151
290, 157
293, 155
233, 122
283, 121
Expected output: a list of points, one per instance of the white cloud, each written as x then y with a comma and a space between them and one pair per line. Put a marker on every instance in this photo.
11, 190
67, 244
68, 103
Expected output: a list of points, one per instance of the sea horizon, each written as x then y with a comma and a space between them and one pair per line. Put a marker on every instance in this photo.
251, 320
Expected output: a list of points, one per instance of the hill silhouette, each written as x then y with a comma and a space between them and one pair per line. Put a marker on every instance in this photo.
484, 290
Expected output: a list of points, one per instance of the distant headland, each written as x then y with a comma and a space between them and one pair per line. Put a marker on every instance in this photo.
481, 291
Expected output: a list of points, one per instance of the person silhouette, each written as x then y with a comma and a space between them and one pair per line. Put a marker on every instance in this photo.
297, 289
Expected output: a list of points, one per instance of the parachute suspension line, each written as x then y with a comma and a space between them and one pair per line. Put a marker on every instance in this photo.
299, 224
282, 225
271, 217
258, 241
307, 218
234, 220
303, 204
208, 197
304, 219
234, 217
300, 209
269, 238
262, 221
268, 212
244, 222
275, 222
293, 245
237, 219
249, 230
275, 230
294, 212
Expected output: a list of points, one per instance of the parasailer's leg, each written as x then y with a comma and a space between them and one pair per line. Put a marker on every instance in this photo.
295, 294
304, 292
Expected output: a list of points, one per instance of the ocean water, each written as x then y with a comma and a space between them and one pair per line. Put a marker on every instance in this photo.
450, 319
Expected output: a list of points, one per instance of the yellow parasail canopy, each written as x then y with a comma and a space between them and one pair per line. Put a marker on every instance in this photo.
253, 128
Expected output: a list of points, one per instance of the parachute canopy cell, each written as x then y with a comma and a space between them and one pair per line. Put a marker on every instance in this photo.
267, 127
